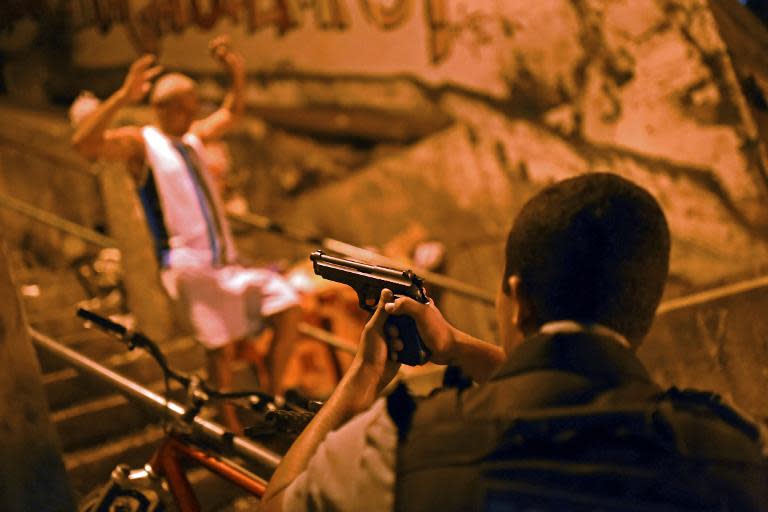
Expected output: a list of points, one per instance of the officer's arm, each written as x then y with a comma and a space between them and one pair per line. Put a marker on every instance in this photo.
226, 117
477, 359
369, 373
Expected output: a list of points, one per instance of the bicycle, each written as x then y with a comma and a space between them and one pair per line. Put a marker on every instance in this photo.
162, 481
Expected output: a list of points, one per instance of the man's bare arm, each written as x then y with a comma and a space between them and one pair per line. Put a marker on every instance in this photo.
231, 110
369, 373
93, 139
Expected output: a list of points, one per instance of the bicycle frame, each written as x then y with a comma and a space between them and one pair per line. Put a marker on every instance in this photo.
167, 462
164, 479
143, 487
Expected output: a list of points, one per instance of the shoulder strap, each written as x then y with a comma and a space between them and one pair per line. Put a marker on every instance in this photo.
401, 406
705, 401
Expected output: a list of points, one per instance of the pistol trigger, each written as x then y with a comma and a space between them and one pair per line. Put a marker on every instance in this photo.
366, 302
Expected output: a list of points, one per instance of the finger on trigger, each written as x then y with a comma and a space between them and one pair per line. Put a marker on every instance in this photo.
396, 305
405, 306
397, 345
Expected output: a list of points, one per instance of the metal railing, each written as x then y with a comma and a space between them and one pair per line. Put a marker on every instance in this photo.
68, 161
56, 222
711, 295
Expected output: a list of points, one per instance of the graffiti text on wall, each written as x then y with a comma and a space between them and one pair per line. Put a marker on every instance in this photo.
146, 26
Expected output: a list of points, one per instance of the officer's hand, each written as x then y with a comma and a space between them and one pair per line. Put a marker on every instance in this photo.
435, 331
372, 354
138, 81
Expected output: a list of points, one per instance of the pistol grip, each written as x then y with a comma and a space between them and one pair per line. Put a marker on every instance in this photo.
415, 352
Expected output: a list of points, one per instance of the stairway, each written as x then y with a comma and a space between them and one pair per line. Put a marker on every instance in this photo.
99, 428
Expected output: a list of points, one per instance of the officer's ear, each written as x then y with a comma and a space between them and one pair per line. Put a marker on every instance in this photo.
522, 315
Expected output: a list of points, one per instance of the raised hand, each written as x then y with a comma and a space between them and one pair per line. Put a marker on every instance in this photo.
219, 46
221, 50
138, 81
233, 106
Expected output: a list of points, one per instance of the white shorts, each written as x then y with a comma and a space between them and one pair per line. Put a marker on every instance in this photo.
227, 303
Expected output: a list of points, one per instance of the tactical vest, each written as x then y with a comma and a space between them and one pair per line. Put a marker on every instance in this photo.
549, 437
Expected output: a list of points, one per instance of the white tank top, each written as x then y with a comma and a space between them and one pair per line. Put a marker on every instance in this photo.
191, 239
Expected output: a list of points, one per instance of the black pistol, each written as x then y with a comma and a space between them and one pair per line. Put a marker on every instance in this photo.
368, 281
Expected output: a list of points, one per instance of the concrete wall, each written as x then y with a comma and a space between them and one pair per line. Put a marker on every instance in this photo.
32, 473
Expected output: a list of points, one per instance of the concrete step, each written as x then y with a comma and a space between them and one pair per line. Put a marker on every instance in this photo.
44, 290
50, 299
61, 320
90, 467
90, 343
96, 421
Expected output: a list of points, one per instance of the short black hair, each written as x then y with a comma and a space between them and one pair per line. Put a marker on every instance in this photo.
594, 248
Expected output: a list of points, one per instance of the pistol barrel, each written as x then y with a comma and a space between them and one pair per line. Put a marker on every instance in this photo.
401, 282
320, 257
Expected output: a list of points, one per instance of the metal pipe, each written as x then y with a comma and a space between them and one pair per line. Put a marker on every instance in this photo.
68, 161
327, 338
711, 295
212, 431
56, 222
351, 251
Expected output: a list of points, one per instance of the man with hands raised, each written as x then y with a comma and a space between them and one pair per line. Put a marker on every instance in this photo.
224, 302
553, 422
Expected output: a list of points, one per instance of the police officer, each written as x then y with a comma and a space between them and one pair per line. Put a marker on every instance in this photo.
564, 415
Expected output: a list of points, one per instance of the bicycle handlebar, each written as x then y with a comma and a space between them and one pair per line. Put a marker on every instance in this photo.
137, 339
282, 420
104, 323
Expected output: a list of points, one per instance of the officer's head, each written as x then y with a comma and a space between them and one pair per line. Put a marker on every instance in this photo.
593, 249
174, 98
